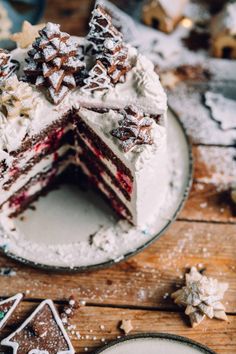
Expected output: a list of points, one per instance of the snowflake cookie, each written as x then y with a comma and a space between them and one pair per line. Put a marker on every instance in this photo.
201, 296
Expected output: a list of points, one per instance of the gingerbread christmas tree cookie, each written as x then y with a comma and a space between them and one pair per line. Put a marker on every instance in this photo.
53, 62
108, 45
134, 129
42, 332
7, 307
98, 79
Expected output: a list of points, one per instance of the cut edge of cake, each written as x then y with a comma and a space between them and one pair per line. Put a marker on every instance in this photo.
115, 136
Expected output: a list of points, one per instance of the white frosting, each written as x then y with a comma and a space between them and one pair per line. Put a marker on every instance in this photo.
147, 163
43, 166
34, 188
138, 89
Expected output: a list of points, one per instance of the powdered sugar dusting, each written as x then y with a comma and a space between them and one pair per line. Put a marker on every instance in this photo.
223, 109
198, 122
110, 241
221, 164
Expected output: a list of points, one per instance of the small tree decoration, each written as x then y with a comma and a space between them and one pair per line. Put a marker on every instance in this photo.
115, 59
54, 62
17, 98
7, 65
107, 44
134, 129
98, 78
101, 28
201, 296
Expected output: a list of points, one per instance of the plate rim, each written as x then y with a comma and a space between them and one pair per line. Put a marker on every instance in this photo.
158, 335
111, 262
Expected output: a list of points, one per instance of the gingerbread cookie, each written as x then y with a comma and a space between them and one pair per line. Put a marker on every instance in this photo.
42, 332
7, 307
223, 32
163, 15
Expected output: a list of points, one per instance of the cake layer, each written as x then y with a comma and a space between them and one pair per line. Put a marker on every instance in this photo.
33, 189
102, 169
78, 130
100, 185
26, 161
147, 180
43, 166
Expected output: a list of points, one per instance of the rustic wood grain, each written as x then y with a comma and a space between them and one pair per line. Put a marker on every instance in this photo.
144, 280
219, 336
209, 199
139, 288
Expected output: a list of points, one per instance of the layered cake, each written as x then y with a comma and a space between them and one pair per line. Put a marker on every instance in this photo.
93, 105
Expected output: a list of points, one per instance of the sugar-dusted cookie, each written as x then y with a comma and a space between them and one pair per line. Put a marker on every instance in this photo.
42, 332
7, 307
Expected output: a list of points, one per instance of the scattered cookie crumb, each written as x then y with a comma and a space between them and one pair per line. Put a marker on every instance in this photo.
126, 326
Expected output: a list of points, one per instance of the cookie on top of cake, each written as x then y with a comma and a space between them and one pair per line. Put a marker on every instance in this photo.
91, 104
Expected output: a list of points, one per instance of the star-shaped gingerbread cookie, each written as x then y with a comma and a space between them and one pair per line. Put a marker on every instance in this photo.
28, 34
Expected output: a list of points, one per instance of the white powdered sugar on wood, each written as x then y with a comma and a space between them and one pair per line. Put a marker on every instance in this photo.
108, 243
223, 109
221, 163
187, 100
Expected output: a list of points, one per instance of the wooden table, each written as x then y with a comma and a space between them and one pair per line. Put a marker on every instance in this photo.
139, 288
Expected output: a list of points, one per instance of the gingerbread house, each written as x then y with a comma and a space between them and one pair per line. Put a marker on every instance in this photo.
223, 30
163, 15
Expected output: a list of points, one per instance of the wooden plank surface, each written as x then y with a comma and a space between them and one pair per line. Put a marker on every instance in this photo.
88, 321
139, 288
144, 280
214, 173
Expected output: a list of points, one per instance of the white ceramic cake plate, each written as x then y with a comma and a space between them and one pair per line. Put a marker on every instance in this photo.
158, 343
71, 229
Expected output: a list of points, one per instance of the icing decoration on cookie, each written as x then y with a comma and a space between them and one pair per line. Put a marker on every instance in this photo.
53, 62
107, 43
7, 307
101, 28
29, 32
42, 332
98, 79
134, 129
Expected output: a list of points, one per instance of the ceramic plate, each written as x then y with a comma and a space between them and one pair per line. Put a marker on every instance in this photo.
155, 344
71, 229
